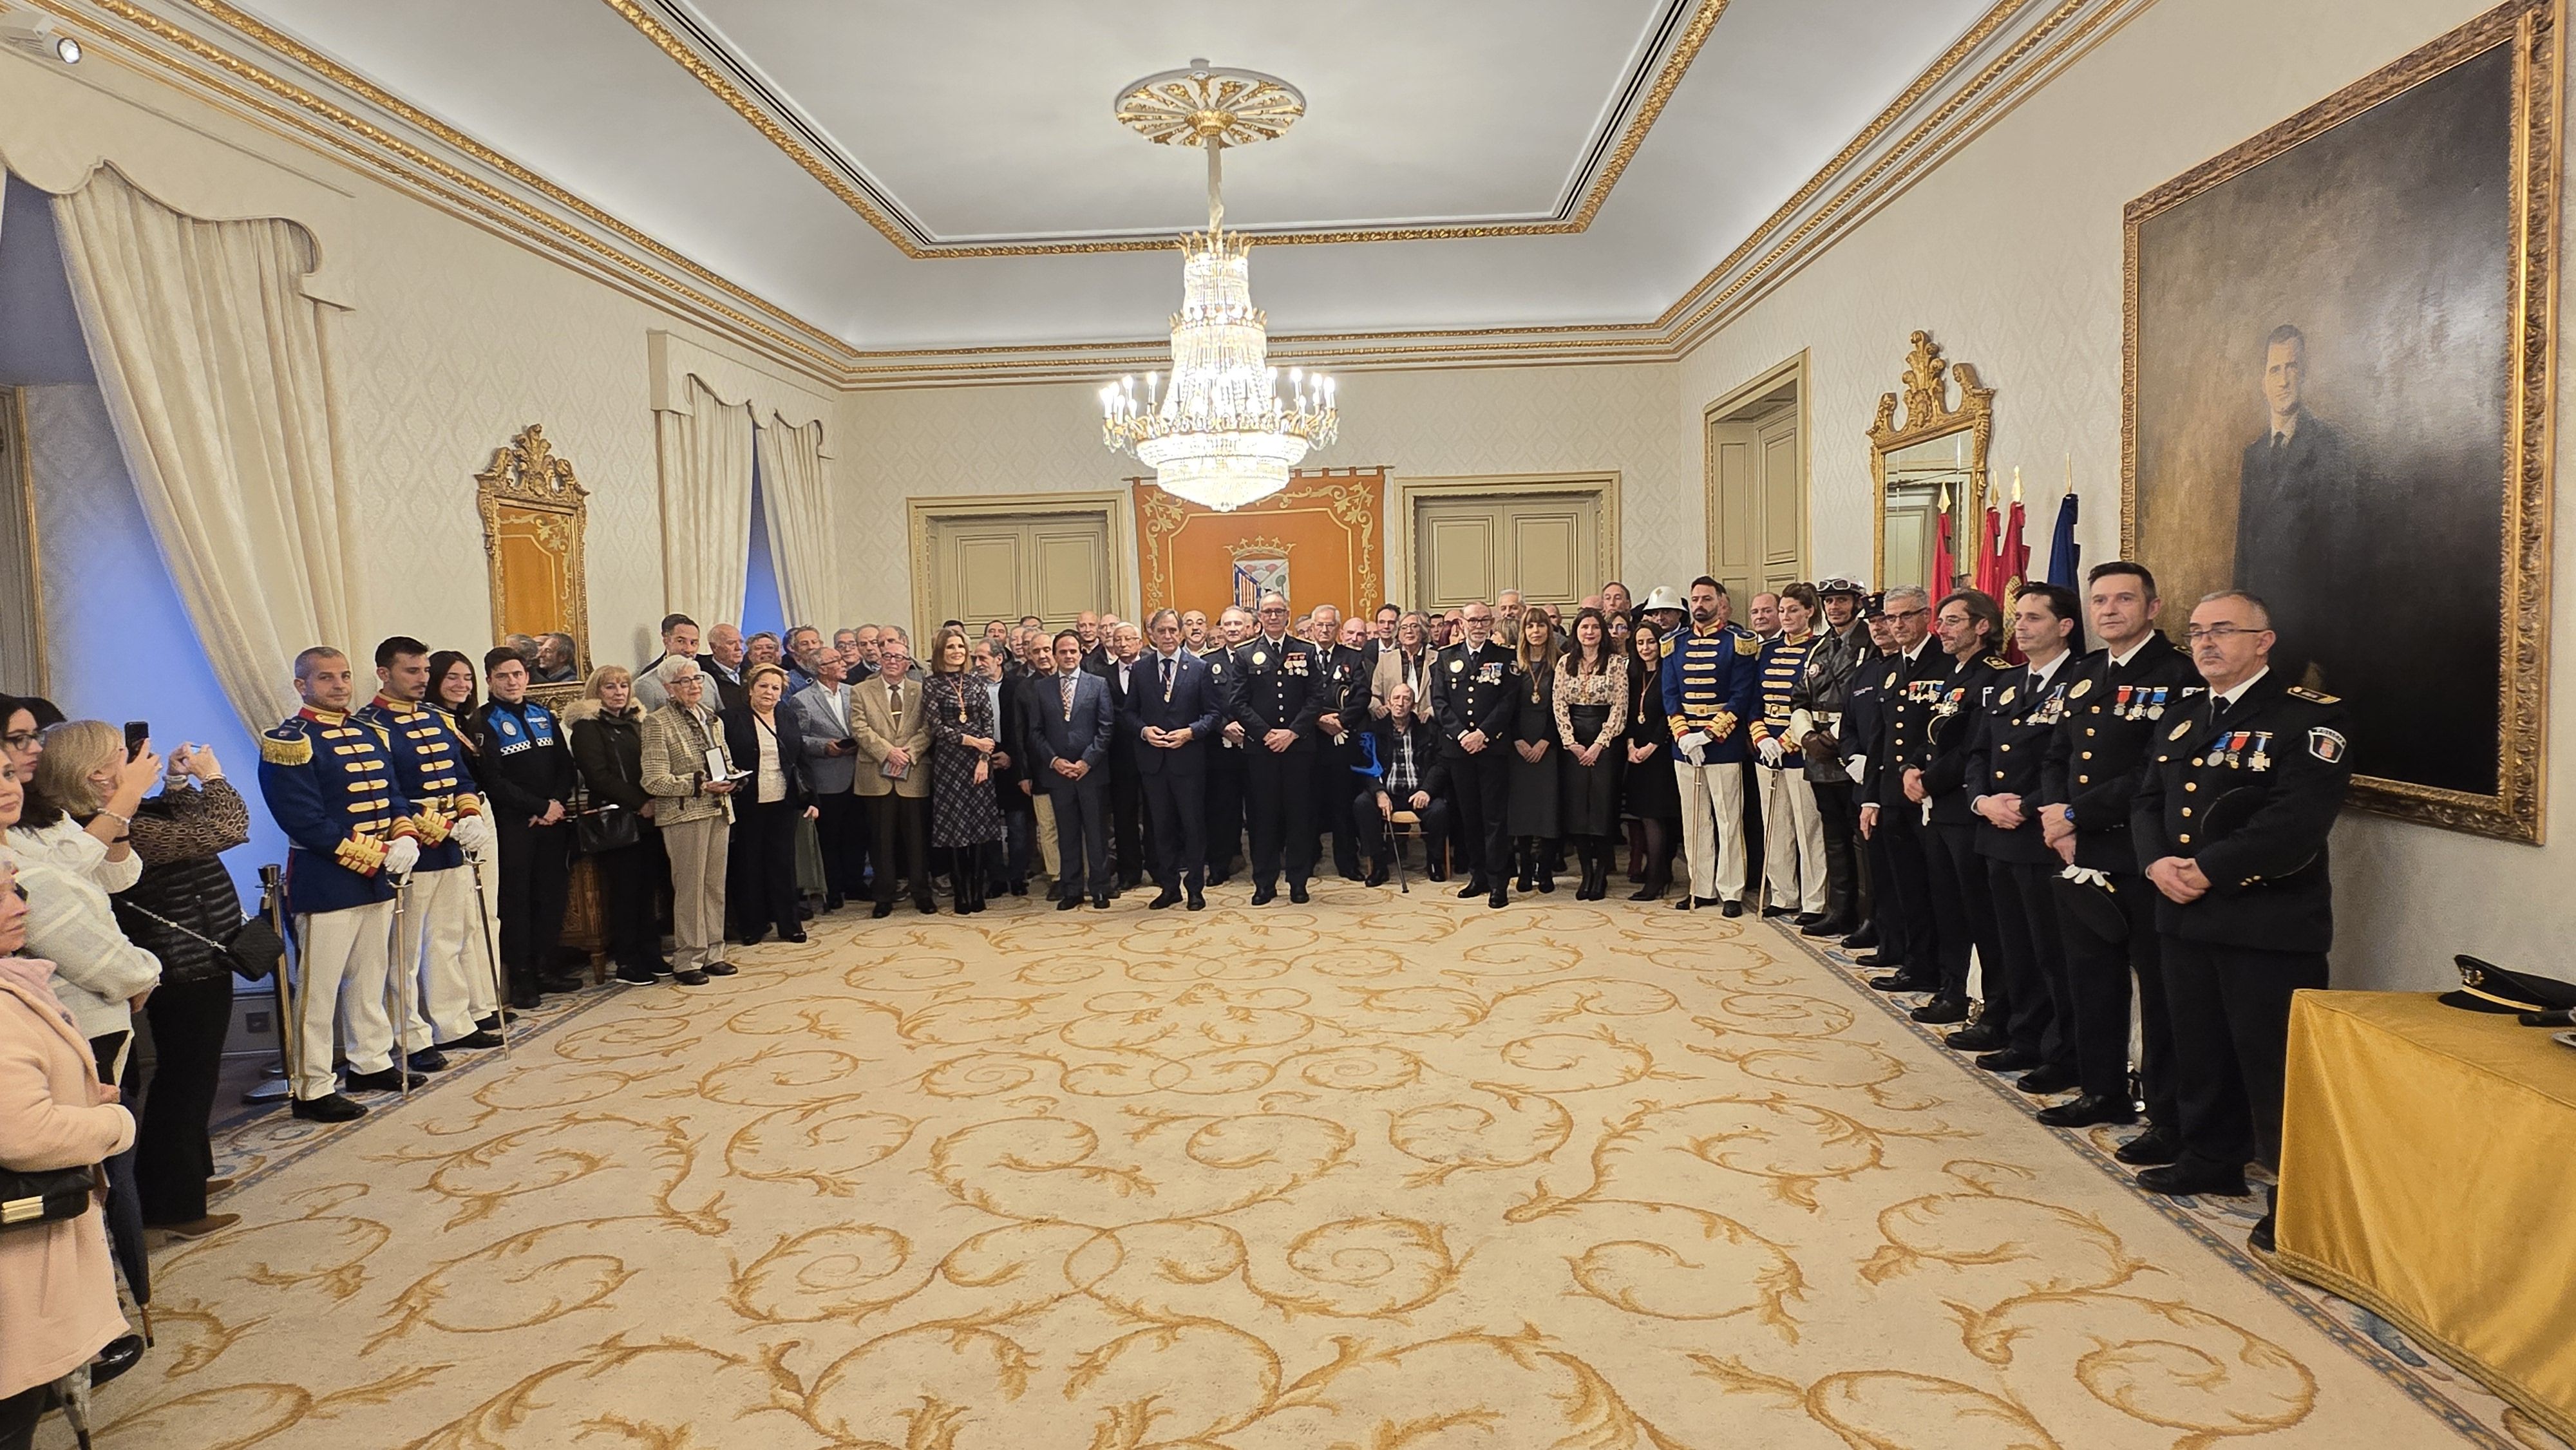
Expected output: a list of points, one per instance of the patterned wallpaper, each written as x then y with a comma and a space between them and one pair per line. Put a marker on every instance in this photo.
935, 441
2023, 280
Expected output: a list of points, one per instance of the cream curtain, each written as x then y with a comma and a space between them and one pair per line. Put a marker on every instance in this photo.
798, 502
706, 506
220, 378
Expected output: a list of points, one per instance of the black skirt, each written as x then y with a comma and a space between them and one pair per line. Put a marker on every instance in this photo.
1589, 800
1534, 787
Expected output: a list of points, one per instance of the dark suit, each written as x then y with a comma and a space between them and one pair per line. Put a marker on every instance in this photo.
1279, 686
1955, 697
2008, 757
1387, 738
1126, 790
1346, 693
1174, 780
730, 692
1471, 691
760, 866
1079, 733
1227, 766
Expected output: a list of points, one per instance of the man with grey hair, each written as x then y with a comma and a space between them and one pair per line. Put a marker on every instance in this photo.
1279, 691
1905, 721
1345, 687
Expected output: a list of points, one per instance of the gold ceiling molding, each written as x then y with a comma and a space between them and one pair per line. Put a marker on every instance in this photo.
913, 244
626, 257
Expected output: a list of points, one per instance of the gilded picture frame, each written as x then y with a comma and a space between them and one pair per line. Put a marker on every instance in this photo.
536, 514
2394, 248
1929, 416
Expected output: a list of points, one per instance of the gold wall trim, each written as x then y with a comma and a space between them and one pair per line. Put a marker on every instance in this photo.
921, 510
914, 245
2535, 30
1407, 493
1929, 415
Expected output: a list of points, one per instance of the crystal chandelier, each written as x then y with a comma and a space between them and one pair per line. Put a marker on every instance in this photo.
1223, 432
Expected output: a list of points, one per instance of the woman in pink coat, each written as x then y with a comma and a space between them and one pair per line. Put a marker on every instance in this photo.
57, 1288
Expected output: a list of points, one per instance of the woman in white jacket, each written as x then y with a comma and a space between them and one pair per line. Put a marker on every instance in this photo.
68, 873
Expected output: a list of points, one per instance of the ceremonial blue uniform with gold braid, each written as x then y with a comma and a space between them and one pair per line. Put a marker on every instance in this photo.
1710, 683
1777, 668
329, 784
429, 771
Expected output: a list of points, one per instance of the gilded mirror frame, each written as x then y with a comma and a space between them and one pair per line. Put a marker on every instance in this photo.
1929, 414
531, 490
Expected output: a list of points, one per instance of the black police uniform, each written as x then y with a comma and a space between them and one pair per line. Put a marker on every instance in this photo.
1823, 690
2114, 712
2279, 762
1227, 763
1471, 690
1278, 685
1862, 735
1954, 701
1904, 742
1346, 693
527, 763
2009, 757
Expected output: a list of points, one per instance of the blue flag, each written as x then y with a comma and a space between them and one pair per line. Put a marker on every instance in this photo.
2064, 561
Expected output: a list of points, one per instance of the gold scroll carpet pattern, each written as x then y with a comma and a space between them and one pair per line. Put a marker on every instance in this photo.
1376, 1173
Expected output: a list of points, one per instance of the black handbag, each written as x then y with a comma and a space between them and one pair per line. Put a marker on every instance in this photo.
52, 1196
609, 827
253, 949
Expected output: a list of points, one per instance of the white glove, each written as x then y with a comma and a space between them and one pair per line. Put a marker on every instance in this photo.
474, 833
401, 856
1771, 751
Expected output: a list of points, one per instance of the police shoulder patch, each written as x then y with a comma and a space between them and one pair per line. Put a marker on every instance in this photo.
2082, 688
2181, 730
2314, 697
2326, 745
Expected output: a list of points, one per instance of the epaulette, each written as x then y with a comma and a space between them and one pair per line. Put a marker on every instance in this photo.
1746, 644
286, 745
2314, 697
1997, 662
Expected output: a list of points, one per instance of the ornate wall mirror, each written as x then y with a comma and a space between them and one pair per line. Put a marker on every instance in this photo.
534, 514
1931, 466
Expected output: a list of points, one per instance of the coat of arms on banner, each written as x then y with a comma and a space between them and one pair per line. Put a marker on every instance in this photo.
1260, 567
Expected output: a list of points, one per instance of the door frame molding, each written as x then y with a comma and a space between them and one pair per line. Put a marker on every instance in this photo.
922, 510
1602, 484
1793, 369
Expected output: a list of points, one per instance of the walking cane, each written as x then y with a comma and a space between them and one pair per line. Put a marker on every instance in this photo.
403, 983
491, 963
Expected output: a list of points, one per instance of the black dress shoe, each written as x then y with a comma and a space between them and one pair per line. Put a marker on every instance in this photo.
563, 982
2011, 1059
1297, 893
2174, 1180
638, 976
1876, 959
1547, 883
526, 999
2155, 1147
720, 969
1779, 910
1019, 888
477, 1040
1264, 894
1861, 940
328, 1108
1701, 903
1982, 1037
1100, 902
1163, 898
1435, 873
126, 1350
2052, 1077
2088, 1110
491, 1022
1941, 1011
1731, 910
690, 978
1198, 901
1376, 876
2260, 1239
1502, 896
388, 1081
1905, 982
1474, 888
1812, 923
428, 1059
1646, 893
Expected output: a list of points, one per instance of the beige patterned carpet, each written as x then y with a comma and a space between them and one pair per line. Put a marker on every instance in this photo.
1374, 1173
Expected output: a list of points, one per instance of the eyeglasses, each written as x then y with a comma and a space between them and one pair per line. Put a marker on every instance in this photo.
2198, 632
21, 739
1905, 613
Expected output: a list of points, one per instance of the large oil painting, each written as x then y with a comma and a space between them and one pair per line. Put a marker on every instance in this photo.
2338, 353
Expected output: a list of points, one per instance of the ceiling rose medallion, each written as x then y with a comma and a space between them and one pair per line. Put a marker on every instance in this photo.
1223, 433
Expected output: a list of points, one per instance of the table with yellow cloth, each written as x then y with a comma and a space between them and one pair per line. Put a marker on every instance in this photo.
2428, 1172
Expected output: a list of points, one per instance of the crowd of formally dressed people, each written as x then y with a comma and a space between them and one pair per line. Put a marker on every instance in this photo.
1944, 785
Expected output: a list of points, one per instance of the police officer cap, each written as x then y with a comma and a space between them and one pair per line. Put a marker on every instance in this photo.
1874, 606
2486, 987
1840, 585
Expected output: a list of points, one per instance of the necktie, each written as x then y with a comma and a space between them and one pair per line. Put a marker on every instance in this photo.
1167, 677
1067, 683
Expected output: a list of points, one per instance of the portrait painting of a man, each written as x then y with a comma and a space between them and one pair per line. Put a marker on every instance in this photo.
2328, 394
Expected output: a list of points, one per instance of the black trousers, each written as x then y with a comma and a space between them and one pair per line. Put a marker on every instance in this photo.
1756, 881
1279, 800
1844, 872
2098, 969
1963, 913
1911, 934
634, 939
2030, 949
536, 874
1335, 816
1176, 807
1127, 822
841, 832
20, 1412
760, 877
902, 835
1380, 845
1225, 785
1081, 835
172, 1159
2231, 1028
1483, 784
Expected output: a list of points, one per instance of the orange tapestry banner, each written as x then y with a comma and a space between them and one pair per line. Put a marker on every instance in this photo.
1319, 541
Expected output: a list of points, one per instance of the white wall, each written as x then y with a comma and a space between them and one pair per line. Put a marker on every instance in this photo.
932, 441
2010, 255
